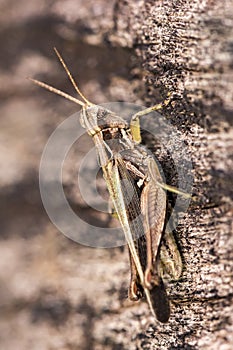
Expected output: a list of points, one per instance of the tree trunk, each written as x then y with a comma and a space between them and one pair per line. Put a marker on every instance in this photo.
185, 48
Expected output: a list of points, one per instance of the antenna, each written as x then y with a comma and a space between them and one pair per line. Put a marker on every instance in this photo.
71, 78
61, 93
56, 91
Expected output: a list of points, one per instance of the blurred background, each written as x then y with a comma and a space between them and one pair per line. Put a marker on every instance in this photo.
52, 289
58, 294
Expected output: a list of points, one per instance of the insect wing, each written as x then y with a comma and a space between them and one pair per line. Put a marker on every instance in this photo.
153, 204
126, 200
127, 205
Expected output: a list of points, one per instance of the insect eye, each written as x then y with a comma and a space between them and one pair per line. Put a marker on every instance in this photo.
101, 113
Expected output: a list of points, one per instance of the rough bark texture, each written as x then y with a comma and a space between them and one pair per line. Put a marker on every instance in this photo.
54, 293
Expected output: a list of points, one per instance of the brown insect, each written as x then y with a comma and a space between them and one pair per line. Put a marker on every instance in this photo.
138, 195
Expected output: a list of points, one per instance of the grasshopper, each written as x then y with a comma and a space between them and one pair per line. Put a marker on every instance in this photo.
138, 195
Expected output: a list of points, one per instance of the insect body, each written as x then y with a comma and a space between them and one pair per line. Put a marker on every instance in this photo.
138, 195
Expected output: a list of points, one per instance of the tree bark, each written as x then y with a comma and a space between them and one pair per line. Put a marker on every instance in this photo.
184, 47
